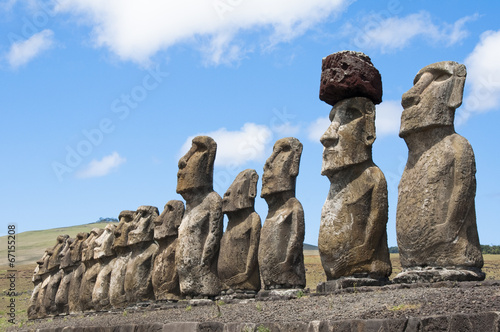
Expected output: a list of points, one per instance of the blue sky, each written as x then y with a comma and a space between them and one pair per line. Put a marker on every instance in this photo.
101, 98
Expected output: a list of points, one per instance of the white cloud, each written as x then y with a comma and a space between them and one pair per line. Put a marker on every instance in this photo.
483, 77
388, 117
97, 168
396, 32
22, 52
137, 30
235, 148
318, 128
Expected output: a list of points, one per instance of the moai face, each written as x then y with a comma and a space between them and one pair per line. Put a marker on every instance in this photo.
124, 227
196, 168
350, 136
89, 244
167, 224
241, 194
282, 167
43, 263
55, 259
436, 93
76, 247
144, 229
65, 255
104, 242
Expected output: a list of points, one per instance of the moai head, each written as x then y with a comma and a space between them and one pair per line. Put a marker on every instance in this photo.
436, 94
349, 74
282, 167
103, 244
196, 168
43, 262
241, 194
76, 247
349, 138
65, 254
55, 259
89, 244
125, 225
167, 224
144, 229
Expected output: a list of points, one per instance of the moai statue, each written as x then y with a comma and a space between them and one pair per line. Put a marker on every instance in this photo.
201, 228
281, 258
165, 278
92, 267
78, 272
352, 238
66, 265
104, 253
37, 279
117, 296
436, 217
56, 274
238, 258
138, 286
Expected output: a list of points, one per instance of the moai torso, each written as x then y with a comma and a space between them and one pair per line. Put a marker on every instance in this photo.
104, 253
280, 254
238, 258
164, 277
77, 275
92, 268
436, 221
202, 225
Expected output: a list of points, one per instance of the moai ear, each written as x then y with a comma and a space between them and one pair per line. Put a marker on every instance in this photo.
297, 153
456, 95
252, 187
369, 135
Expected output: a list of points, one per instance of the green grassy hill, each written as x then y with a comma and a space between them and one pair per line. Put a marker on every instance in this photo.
31, 245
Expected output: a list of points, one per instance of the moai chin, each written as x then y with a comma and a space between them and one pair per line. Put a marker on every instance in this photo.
137, 283
238, 258
280, 255
201, 228
165, 278
436, 218
352, 238
104, 253
117, 295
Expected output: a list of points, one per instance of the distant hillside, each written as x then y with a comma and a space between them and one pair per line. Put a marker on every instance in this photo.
310, 247
31, 245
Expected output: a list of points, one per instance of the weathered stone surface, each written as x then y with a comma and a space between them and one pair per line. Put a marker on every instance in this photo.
346, 282
349, 74
77, 274
201, 228
92, 267
165, 278
137, 282
352, 237
117, 295
67, 267
104, 253
436, 219
280, 255
38, 278
55, 258
238, 258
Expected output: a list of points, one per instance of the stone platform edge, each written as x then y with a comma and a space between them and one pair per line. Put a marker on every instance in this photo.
484, 322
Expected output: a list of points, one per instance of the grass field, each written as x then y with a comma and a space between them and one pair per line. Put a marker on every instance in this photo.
30, 247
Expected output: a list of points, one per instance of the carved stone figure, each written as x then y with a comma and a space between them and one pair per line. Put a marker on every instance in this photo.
66, 265
436, 219
238, 258
349, 74
281, 258
117, 295
165, 278
56, 274
38, 278
92, 267
201, 228
77, 275
137, 284
104, 253
352, 237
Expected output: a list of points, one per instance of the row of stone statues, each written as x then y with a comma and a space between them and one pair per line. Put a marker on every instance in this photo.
184, 252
